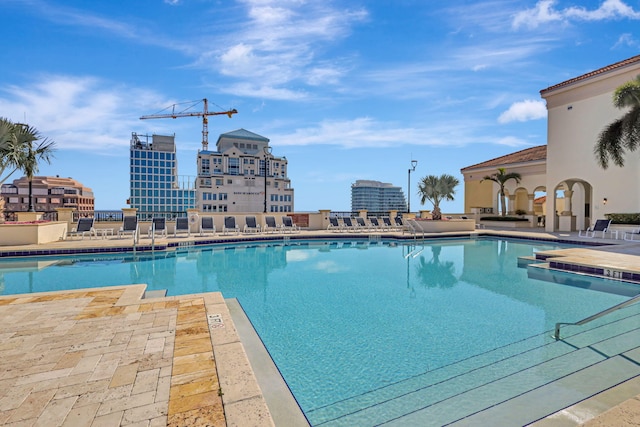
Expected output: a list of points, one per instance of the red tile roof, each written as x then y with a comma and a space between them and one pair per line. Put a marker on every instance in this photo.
532, 154
602, 70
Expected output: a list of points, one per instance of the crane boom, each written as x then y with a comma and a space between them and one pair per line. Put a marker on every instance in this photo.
185, 113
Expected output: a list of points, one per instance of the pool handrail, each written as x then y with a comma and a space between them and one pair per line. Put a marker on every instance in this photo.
616, 307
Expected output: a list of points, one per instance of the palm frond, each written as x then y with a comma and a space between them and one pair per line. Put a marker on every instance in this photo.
609, 145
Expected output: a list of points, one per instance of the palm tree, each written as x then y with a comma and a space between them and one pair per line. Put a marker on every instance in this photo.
436, 189
501, 177
624, 133
17, 152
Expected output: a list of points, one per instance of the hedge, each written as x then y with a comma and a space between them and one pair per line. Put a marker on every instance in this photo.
624, 218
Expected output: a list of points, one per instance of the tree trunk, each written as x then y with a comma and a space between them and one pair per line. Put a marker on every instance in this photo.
436, 214
2, 219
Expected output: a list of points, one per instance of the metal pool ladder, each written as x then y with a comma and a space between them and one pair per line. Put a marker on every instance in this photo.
616, 307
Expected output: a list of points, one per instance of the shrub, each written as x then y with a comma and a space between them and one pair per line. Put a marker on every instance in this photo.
502, 218
521, 212
624, 218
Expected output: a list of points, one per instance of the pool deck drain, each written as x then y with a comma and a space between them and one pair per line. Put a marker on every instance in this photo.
108, 357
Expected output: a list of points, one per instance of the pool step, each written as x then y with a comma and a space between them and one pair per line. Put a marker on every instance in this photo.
494, 378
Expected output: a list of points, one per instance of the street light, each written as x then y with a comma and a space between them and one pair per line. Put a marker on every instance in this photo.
414, 163
267, 153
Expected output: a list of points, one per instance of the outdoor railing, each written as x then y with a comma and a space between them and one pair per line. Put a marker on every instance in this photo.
556, 333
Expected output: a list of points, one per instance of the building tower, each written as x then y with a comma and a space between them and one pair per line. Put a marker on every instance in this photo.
155, 187
376, 196
243, 176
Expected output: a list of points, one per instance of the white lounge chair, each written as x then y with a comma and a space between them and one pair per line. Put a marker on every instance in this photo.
632, 235
158, 227
251, 225
230, 225
85, 226
182, 226
601, 225
207, 225
288, 225
129, 225
270, 224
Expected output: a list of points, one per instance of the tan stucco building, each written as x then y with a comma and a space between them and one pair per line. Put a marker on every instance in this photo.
49, 193
577, 190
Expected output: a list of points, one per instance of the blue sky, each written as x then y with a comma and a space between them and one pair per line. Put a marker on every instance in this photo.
345, 90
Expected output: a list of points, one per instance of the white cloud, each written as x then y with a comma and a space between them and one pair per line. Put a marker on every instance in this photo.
544, 12
626, 39
524, 111
81, 113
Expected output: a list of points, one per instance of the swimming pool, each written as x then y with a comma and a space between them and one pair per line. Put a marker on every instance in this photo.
346, 322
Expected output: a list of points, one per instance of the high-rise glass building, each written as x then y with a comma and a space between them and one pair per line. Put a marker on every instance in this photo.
376, 196
155, 187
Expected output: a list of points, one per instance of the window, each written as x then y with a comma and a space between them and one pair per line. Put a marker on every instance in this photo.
234, 166
229, 181
219, 181
222, 196
204, 167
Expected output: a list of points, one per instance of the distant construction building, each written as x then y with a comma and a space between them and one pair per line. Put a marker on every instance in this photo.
243, 176
155, 186
376, 196
49, 193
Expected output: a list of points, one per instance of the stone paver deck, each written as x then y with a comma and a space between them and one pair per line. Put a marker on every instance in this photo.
106, 357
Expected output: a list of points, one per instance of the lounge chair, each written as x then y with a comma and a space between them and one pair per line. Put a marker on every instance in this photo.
230, 225
158, 227
399, 224
85, 226
348, 224
207, 225
182, 226
386, 222
632, 235
251, 225
334, 225
361, 223
375, 223
601, 225
288, 225
270, 224
129, 225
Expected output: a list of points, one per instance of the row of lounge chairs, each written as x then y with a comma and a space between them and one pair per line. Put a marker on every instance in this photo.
362, 224
159, 226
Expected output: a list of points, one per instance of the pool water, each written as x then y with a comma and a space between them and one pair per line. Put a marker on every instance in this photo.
345, 319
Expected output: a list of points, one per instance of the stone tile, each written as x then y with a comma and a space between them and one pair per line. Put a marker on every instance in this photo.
81, 416
110, 420
144, 413
203, 417
124, 374
154, 345
32, 406
126, 403
249, 412
56, 412
194, 401
104, 370
146, 381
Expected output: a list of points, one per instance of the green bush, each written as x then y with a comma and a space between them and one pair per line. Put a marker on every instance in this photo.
502, 218
624, 218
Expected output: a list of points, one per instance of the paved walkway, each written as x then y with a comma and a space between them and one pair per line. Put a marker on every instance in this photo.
109, 357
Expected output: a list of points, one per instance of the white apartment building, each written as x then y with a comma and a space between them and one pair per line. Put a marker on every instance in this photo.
376, 196
242, 175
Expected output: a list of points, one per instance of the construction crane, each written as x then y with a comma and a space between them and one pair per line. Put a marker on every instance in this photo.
185, 112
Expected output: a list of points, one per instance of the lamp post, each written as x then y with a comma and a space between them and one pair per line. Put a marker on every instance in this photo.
414, 163
267, 153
